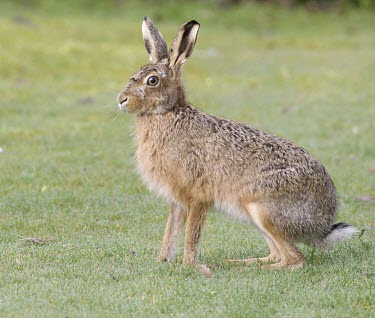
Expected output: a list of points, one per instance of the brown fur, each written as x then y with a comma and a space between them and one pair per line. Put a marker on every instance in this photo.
195, 160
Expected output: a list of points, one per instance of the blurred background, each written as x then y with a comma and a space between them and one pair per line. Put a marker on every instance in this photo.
302, 69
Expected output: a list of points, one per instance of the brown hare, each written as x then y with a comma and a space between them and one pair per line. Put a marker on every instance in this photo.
195, 161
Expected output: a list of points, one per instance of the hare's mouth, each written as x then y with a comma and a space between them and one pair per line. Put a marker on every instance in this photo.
123, 103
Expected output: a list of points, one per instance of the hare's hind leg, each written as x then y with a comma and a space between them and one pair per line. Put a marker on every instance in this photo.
291, 257
288, 255
176, 220
272, 258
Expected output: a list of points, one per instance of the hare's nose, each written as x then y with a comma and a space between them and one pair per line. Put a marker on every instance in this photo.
123, 103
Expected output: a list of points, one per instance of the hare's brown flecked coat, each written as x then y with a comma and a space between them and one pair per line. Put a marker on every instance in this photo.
195, 160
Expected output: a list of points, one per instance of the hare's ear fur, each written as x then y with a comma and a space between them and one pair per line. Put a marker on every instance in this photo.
183, 44
154, 42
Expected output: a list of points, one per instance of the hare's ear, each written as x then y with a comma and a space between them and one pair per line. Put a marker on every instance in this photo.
183, 44
154, 41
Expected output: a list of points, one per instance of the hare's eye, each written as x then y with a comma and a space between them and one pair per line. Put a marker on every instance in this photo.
152, 81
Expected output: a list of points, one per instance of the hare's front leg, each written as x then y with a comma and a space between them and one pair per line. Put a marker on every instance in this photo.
195, 220
176, 220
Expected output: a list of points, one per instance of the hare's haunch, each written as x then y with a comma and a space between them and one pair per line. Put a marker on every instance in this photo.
195, 160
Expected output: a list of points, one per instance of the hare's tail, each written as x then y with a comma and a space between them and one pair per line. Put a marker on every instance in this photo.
338, 232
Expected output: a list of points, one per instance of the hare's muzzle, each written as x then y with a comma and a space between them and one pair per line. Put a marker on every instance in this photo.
122, 101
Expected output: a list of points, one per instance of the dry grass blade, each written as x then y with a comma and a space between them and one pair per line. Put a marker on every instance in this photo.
360, 234
369, 274
366, 198
34, 240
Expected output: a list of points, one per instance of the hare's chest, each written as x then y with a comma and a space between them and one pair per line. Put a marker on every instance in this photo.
155, 171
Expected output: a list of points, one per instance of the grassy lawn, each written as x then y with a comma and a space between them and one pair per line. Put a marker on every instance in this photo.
67, 170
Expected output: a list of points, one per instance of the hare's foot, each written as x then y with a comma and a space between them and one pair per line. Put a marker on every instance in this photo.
290, 257
202, 267
246, 260
285, 265
272, 258
205, 270
163, 258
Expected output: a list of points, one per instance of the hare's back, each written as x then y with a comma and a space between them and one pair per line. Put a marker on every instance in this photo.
236, 152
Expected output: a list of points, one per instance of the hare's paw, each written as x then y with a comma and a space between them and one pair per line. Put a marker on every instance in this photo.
202, 267
246, 260
268, 259
284, 265
205, 270
162, 258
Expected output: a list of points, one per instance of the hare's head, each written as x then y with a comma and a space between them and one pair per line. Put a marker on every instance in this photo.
157, 87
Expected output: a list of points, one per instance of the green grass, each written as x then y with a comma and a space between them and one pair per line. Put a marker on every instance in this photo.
67, 172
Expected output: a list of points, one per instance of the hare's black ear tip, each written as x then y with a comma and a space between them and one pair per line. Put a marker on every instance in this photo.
146, 19
192, 23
